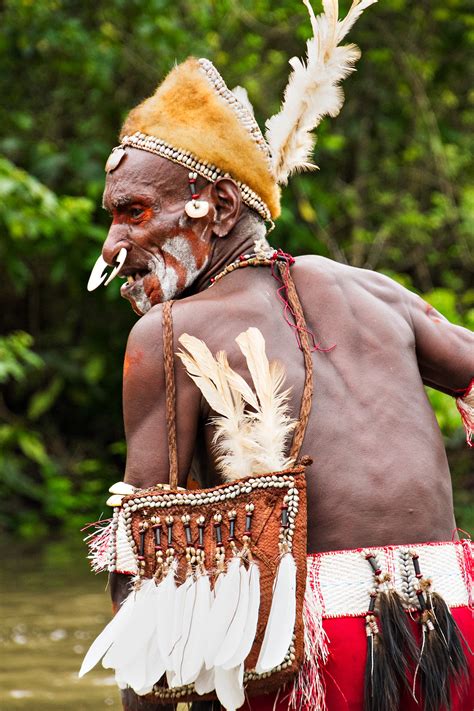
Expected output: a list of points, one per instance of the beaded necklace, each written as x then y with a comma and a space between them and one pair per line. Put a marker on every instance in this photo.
254, 259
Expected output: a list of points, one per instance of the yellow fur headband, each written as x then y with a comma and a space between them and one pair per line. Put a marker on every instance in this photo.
193, 118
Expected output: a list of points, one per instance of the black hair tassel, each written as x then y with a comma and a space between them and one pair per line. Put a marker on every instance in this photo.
397, 636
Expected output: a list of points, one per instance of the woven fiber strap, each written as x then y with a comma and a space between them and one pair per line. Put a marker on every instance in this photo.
170, 392
306, 400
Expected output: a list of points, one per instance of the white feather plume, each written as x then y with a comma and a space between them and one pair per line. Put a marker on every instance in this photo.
231, 424
313, 89
248, 441
270, 422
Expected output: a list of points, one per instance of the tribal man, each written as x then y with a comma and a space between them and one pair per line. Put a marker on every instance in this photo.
189, 190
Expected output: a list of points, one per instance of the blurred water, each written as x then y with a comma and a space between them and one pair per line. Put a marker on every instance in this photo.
51, 608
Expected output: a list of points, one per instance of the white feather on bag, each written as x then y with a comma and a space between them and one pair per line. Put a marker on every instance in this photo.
108, 635
136, 632
193, 652
234, 634
222, 611
313, 89
281, 620
250, 629
229, 684
165, 611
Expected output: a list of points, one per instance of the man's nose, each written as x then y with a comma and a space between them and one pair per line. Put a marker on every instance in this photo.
116, 239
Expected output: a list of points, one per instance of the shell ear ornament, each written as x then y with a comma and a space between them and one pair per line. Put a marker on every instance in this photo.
195, 207
99, 271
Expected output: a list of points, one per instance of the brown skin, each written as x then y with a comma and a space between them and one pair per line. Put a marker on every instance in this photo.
380, 474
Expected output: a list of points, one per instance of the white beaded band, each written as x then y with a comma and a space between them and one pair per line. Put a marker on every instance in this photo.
245, 117
188, 160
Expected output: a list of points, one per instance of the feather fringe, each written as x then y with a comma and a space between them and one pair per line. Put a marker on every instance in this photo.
313, 89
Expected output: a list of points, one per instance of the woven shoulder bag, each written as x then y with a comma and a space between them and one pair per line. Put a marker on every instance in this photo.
216, 607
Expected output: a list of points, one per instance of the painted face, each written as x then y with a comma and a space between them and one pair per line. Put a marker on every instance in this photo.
166, 250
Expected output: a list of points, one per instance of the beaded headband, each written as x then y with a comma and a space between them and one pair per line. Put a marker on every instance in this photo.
188, 160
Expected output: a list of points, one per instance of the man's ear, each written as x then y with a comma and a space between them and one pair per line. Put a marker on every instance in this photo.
226, 198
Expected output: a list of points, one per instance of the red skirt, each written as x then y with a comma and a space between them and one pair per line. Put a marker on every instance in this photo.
344, 672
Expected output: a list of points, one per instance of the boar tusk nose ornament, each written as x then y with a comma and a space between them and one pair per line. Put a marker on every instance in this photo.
99, 270
122, 256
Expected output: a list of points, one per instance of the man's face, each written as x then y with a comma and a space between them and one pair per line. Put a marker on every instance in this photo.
166, 250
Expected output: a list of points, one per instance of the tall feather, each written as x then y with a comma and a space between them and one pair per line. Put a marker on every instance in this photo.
271, 424
313, 89
281, 620
231, 425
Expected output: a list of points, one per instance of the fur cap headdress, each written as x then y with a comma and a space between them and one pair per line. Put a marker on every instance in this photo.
195, 120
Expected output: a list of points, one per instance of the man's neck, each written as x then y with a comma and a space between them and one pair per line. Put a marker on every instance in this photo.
227, 250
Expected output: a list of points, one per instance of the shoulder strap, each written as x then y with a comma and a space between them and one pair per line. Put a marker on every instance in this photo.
170, 388
170, 393
302, 330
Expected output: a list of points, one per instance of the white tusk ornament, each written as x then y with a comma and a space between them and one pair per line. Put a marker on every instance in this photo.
99, 270
122, 256
98, 274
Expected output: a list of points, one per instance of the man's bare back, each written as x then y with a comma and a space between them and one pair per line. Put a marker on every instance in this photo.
380, 474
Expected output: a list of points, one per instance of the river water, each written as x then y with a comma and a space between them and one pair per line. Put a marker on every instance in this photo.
51, 608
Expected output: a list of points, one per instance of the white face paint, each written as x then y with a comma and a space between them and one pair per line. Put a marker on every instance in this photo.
168, 275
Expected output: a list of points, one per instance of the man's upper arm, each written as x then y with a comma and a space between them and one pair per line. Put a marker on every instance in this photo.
144, 406
445, 352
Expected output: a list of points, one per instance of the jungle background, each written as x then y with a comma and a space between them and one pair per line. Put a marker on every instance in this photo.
394, 193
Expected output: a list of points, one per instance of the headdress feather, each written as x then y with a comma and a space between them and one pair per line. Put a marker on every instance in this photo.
313, 89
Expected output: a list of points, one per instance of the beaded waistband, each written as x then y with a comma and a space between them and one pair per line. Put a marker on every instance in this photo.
343, 581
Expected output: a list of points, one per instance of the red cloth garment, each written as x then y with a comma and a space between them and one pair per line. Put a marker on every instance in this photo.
344, 672
339, 581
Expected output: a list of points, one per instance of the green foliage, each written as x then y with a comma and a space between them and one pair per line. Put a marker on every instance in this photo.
394, 193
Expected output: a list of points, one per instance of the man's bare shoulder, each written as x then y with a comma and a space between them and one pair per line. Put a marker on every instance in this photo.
314, 272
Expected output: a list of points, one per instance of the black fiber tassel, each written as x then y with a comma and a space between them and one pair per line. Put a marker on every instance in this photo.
434, 667
381, 685
397, 636
445, 625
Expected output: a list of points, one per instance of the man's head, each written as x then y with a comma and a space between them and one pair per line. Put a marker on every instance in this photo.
166, 249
